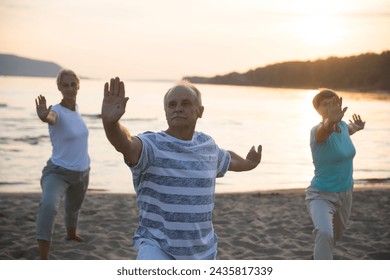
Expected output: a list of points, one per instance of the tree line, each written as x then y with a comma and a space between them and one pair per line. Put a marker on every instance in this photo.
365, 72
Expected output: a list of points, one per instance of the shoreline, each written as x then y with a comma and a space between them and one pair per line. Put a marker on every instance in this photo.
265, 225
368, 184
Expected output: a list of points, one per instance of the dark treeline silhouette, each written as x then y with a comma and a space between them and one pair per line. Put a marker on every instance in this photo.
365, 72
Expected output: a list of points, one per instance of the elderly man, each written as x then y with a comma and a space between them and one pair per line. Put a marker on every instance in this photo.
174, 173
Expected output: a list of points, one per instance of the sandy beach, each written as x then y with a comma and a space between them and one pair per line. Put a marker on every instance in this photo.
252, 226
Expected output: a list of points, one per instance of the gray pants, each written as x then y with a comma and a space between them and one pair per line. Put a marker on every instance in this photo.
56, 182
329, 213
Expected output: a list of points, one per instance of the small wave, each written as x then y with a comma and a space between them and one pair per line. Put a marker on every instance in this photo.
97, 190
92, 116
141, 119
372, 181
12, 183
29, 140
99, 116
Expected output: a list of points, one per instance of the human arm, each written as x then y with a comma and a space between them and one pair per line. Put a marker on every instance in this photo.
330, 124
252, 160
113, 108
45, 114
356, 125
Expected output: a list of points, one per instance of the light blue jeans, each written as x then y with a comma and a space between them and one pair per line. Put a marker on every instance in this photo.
150, 250
329, 212
56, 182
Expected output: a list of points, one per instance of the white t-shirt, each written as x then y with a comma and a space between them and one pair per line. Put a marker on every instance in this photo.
69, 139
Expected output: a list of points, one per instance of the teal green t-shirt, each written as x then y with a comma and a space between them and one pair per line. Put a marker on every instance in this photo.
332, 159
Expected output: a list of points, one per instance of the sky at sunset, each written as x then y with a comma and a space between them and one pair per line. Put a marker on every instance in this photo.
169, 39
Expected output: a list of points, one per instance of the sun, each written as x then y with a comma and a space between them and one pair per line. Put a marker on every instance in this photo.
320, 30
320, 23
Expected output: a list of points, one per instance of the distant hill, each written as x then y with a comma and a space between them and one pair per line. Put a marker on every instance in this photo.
365, 72
12, 65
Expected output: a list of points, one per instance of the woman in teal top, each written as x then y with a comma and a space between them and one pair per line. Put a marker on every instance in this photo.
329, 197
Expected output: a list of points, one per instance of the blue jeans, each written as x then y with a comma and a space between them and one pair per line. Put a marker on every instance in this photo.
149, 250
56, 182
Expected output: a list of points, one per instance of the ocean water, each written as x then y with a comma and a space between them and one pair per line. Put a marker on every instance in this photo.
236, 117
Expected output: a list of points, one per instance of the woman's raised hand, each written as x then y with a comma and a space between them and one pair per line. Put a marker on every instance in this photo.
41, 107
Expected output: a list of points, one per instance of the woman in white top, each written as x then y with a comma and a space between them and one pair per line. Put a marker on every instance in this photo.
67, 170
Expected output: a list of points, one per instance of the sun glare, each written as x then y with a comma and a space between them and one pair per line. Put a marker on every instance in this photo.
321, 23
320, 30
310, 115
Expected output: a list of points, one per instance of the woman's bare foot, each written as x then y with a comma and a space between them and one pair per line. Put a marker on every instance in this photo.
73, 236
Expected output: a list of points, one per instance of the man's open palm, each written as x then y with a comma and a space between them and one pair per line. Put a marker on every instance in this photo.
114, 101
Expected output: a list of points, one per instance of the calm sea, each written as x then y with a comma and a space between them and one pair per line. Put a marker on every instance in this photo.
236, 117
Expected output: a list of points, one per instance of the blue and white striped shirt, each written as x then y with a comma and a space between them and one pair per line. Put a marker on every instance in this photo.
175, 182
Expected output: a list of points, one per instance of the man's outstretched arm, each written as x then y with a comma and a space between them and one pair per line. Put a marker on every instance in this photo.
113, 108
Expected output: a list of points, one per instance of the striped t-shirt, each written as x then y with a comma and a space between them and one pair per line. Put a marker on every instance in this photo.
174, 181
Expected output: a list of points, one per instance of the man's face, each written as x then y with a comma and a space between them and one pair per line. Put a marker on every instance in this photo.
182, 108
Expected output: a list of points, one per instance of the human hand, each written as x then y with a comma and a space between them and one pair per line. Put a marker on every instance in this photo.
357, 123
335, 113
254, 156
114, 101
41, 107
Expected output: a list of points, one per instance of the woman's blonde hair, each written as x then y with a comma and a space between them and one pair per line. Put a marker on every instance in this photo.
64, 72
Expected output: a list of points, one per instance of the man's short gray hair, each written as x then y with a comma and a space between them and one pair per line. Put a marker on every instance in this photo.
187, 84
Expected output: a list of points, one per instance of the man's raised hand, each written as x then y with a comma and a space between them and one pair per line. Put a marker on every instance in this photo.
114, 101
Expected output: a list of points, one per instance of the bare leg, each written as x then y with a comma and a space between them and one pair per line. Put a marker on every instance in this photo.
44, 249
